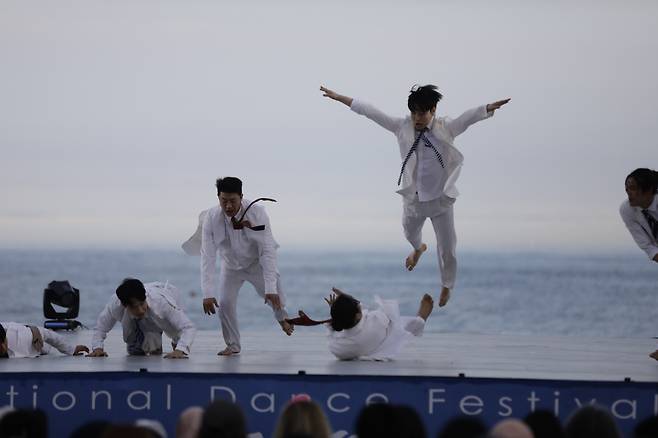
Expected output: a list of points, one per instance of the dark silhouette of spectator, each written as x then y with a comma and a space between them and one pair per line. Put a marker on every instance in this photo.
592, 422
409, 423
91, 429
463, 427
647, 428
302, 418
223, 419
127, 431
544, 424
25, 424
381, 420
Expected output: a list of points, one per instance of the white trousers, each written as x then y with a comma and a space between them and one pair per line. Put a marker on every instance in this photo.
414, 214
230, 282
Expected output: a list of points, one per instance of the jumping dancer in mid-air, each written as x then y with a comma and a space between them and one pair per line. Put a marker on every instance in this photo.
430, 168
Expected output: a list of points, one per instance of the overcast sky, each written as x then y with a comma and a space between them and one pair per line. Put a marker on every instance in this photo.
117, 116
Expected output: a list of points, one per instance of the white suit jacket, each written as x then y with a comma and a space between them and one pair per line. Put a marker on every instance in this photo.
19, 341
163, 309
639, 227
444, 129
210, 239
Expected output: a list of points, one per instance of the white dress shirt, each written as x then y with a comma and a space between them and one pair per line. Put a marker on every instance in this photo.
19, 341
442, 129
361, 340
238, 249
164, 314
429, 177
639, 227
379, 335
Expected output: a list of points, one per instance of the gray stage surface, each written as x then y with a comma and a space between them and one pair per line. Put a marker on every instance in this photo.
444, 355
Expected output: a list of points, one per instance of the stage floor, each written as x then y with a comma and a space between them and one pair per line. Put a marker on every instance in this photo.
441, 355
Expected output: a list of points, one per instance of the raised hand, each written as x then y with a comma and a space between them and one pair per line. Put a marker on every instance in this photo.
331, 94
495, 105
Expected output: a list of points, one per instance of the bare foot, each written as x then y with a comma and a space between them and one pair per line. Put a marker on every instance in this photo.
426, 306
287, 327
654, 355
228, 351
412, 259
444, 297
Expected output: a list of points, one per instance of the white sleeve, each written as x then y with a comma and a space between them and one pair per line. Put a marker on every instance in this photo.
461, 123
208, 259
112, 313
387, 122
56, 340
641, 237
267, 254
184, 328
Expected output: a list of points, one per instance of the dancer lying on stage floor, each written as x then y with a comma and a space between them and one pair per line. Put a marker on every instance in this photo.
145, 311
20, 340
379, 334
640, 213
240, 232
430, 168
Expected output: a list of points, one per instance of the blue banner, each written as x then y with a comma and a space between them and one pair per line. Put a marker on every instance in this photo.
72, 399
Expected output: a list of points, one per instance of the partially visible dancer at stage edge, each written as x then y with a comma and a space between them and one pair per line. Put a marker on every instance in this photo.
240, 232
640, 210
430, 167
20, 340
640, 213
145, 311
378, 334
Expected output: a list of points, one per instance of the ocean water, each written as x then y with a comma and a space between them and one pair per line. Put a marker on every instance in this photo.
496, 293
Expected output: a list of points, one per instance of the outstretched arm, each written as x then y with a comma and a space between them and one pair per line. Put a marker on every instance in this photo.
497, 104
461, 123
382, 119
335, 96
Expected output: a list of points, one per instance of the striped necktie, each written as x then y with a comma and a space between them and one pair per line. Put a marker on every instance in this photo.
653, 223
414, 147
137, 346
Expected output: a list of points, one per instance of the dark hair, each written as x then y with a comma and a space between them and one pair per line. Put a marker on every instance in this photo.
376, 421
91, 428
229, 184
646, 179
131, 289
24, 422
463, 427
647, 428
544, 424
223, 418
592, 422
343, 312
3, 334
384, 420
423, 98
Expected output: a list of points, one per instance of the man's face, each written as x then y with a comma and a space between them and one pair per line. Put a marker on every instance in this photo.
230, 203
422, 119
137, 309
637, 197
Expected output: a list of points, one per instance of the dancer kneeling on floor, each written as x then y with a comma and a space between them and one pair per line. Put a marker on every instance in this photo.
145, 311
